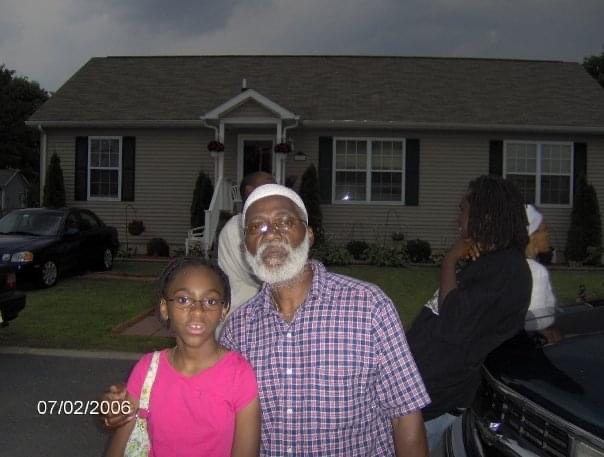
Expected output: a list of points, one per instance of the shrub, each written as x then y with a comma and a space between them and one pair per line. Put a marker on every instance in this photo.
202, 197
136, 227
357, 249
419, 251
585, 224
158, 247
330, 253
309, 193
54, 187
397, 236
387, 256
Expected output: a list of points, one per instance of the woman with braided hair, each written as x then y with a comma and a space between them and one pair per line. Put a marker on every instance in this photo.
477, 307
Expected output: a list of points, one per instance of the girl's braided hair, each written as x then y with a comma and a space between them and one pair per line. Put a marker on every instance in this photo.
497, 218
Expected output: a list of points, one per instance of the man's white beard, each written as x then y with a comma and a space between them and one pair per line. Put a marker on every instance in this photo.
292, 267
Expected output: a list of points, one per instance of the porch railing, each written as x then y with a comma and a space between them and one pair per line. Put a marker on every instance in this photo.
221, 200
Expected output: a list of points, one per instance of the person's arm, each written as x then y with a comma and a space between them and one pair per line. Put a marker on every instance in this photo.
462, 249
117, 393
118, 442
410, 435
246, 442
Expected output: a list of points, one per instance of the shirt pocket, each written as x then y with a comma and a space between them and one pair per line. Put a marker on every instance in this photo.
339, 397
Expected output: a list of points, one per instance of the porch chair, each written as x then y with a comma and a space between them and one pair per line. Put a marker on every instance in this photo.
195, 238
236, 197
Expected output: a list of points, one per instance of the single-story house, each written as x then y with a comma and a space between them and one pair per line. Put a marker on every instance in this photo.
13, 190
395, 139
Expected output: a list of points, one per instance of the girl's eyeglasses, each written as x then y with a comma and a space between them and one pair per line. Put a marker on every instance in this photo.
207, 304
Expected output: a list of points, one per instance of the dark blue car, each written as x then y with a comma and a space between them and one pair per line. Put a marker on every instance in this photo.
43, 243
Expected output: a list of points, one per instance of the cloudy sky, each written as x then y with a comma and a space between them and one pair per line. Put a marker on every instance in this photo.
49, 40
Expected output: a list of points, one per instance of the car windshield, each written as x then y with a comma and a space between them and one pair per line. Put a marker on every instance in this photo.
38, 224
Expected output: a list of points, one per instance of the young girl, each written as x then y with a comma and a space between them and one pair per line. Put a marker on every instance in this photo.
204, 400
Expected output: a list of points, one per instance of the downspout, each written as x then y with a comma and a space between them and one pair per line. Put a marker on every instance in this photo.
217, 158
285, 129
42, 162
282, 162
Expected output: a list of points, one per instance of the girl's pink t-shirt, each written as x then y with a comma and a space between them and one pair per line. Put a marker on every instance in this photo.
194, 416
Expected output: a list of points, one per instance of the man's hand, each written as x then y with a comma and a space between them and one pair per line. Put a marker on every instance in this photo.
464, 248
118, 393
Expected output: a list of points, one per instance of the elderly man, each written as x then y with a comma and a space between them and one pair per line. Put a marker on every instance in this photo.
335, 374
231, 258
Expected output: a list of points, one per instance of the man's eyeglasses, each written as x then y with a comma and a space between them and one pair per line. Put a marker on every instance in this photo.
282, 225
207, 304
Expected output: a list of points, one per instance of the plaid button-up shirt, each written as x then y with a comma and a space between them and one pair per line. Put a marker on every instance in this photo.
331, 380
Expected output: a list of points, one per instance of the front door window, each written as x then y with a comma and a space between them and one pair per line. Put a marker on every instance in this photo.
257, 156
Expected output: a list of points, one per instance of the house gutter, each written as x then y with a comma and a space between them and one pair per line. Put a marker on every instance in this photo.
43, 138
333, 123
400, 125
117, 124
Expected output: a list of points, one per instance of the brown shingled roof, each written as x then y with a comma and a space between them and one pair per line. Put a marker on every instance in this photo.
402, 89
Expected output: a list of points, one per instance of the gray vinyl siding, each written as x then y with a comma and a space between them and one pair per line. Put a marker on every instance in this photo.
167, 165
249, 109
168, 161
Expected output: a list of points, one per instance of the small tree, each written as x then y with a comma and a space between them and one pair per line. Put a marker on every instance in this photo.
54, 187
309, 192
202, 197
585, 224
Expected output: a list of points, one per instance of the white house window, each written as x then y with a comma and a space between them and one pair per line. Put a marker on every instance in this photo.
104, 168
369, 170
542, 171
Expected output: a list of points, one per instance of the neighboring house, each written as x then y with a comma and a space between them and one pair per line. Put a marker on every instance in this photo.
395, 139
13, 190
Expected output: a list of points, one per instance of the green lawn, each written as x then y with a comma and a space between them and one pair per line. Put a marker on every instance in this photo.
138, 267
79, 312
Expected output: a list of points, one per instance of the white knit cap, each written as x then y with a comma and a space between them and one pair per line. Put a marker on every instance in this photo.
534, 218
271, 190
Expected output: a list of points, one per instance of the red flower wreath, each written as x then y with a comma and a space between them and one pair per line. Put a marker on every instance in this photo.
283, 148
216, 146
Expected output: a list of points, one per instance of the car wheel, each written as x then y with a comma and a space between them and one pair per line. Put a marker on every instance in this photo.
107, 263
49, 273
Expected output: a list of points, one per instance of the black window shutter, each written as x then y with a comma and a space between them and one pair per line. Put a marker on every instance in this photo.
325, 167
412, 173
81, 169
496, 157
579, 163
128, 161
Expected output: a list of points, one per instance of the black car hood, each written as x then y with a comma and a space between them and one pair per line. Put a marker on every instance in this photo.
566, 377
18, 243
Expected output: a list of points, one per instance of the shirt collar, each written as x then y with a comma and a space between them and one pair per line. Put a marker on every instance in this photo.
317, 286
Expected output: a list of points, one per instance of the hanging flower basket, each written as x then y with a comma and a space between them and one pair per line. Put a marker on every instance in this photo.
283, 148
136, 227
215, 146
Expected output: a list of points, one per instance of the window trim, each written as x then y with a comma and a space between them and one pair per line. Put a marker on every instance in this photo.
119, 169
368, 171
538, 174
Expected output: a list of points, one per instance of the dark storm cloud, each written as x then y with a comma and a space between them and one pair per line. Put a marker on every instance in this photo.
63, 34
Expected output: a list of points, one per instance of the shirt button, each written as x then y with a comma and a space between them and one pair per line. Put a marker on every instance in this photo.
289, 371
289, 450
289, 335
290, 411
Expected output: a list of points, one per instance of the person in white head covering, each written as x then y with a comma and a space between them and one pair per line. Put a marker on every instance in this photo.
542, 309
329, 351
